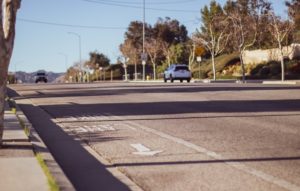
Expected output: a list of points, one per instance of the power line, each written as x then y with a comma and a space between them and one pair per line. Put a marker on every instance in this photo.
69, 25
149, 3
140, 7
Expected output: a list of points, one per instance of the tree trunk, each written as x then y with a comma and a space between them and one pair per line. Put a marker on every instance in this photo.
282, 64
3, 81
135, 71
192, 56
7, 37
154, 71
213, 65
243, 67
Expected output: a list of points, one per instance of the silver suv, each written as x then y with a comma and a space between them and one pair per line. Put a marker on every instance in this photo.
177, 72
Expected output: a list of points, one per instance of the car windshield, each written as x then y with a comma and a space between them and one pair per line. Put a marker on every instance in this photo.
181, 68
40, 74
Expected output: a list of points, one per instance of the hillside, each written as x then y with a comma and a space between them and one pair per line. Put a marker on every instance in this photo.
228, 67
24, 77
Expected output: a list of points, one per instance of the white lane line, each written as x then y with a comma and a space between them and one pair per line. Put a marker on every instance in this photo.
269, 178
142, 150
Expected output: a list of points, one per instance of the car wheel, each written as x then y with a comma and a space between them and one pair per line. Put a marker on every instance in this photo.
188, 80
171, 79
165, 79
181, 81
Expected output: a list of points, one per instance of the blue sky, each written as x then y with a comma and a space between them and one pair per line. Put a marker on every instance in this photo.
42, 46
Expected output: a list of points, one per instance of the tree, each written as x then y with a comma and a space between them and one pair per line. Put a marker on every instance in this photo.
7, 37
169, 32
72, 74
281, 31
194, 51
98, 60
130, 51
153, 50
177, 53
242, 14
132, 46
214, 33
294, 13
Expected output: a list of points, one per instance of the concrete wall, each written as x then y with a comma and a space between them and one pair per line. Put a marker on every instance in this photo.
260, 56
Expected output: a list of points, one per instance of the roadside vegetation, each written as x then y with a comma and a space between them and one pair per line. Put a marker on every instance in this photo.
228, 67
221, 40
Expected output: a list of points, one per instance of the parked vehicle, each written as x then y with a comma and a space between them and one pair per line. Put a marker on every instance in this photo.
41, 77
177, 72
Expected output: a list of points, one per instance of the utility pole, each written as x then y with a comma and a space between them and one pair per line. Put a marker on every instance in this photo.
144, 55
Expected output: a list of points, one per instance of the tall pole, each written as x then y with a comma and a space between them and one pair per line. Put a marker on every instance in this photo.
143, 56
144, 17
79, 42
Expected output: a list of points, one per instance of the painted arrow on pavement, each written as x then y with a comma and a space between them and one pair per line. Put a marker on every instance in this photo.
142, 150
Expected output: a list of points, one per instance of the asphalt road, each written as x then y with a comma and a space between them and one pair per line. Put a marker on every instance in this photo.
170, 136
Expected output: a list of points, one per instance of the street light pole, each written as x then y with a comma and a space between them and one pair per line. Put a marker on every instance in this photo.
144, 18
79, 41
143, 55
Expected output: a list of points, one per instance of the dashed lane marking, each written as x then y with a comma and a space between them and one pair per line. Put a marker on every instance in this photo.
89, 128
267, 177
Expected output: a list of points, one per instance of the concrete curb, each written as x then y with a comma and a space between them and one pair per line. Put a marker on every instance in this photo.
281, 82
39, 147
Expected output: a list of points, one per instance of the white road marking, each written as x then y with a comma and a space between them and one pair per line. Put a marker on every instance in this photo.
81, 130
267, 177
89, 128
142, 150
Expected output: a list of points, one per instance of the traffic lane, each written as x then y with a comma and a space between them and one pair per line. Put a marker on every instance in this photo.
259, 142
149, 97
121, 89
230, 140
176, 167
173, 107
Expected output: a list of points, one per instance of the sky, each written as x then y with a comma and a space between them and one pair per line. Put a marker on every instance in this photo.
45, 29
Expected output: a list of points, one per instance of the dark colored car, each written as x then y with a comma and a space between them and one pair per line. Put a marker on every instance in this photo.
41, 77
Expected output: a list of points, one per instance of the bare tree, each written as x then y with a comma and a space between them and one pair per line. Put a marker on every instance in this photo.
7, 37
245, 33
192, 49
130, 51
280, 30
215, 39
153, 48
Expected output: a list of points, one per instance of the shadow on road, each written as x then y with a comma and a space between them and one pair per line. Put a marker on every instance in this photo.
84, 171
167, 108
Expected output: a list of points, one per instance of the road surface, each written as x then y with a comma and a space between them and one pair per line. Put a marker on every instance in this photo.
180, 136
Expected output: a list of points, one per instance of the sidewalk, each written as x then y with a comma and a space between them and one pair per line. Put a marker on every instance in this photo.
19, 168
